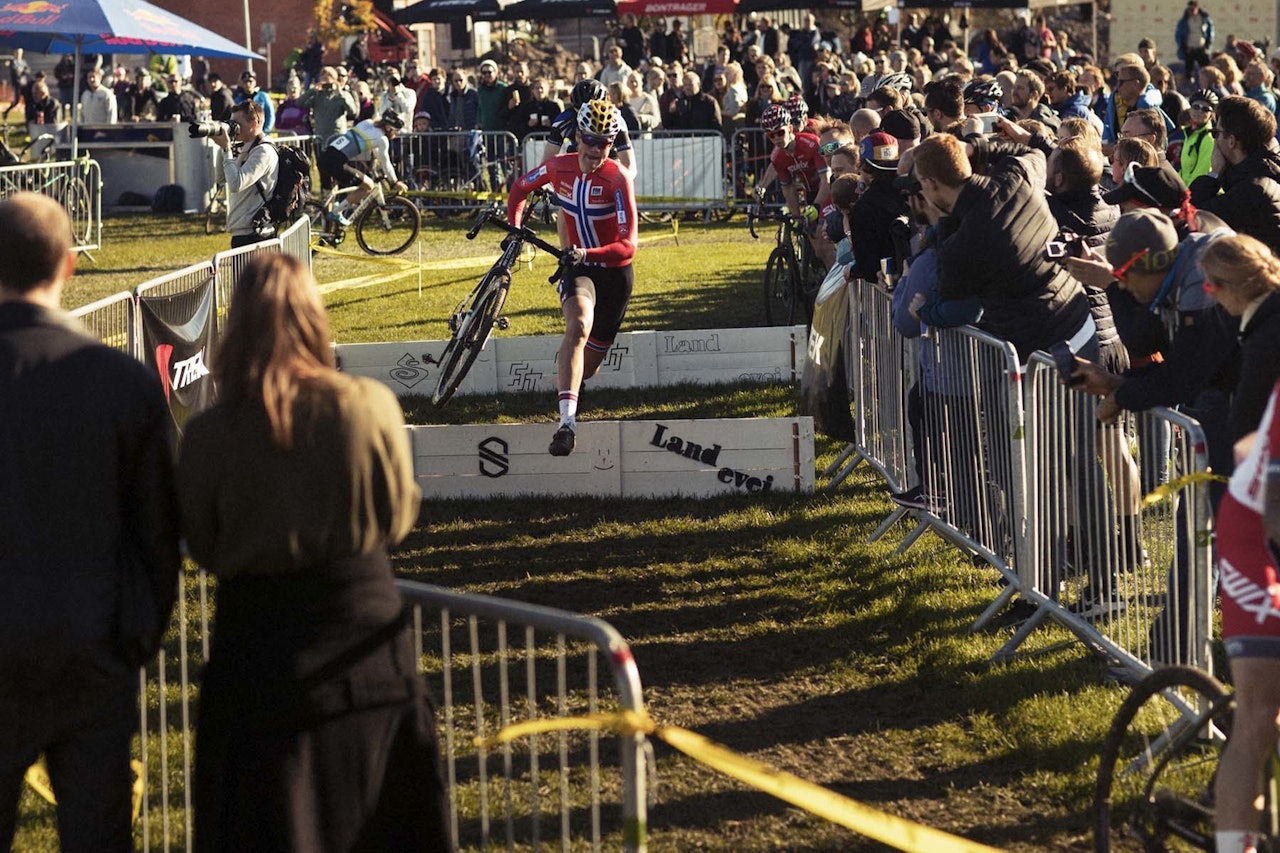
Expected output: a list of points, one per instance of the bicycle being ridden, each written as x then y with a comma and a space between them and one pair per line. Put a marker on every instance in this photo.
384, 224
793, 273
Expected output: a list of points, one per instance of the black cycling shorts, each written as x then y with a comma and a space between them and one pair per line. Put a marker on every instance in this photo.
333, 166
609, 289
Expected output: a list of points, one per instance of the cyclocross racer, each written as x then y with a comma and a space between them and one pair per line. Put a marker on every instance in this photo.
796, 158
366, 141
598, 207
564, 127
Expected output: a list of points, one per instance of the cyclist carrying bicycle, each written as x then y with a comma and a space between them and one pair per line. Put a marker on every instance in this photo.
367, 141
598, 206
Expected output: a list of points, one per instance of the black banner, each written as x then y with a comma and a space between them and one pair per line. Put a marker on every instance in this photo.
179, 333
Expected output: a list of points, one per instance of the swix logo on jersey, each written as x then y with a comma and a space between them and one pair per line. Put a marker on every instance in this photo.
184, 373
536, 174
621, 207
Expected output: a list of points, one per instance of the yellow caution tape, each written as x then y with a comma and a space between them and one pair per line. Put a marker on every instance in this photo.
1167, 490
37, 776
823, 802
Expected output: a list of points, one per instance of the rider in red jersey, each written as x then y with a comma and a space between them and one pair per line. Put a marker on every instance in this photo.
598, 205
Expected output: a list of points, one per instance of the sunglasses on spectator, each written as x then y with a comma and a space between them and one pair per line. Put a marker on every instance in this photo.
1202, 108
1219, 131
1121, 272
593, 141
829, 148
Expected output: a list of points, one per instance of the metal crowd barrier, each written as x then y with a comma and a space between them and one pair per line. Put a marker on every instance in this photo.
74, 184
489, 663
1018, 472
1135, 581
675, 169
749, 150
502, 662
113, 320
453, 172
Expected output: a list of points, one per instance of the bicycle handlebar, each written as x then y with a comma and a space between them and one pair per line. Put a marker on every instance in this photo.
523, 234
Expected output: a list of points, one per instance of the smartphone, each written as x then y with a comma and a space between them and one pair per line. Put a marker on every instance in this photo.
1065, 360
989, 121
1054, 250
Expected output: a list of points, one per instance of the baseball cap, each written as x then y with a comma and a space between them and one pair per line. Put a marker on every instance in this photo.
1161, 186
1143, 230
879, 151
901, 124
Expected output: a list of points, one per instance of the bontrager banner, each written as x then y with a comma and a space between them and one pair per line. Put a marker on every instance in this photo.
178, 337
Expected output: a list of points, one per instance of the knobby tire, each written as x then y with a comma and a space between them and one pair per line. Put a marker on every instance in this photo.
1165, 796
388, 228
779, 288
464, 347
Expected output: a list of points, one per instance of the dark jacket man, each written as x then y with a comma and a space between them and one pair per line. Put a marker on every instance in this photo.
88, 538
693, 109
1248, 171
992, 244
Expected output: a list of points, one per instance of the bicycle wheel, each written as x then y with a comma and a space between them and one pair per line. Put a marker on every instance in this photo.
76, 203
471, 328
451, 181
1155, 779
779, 288
388, 228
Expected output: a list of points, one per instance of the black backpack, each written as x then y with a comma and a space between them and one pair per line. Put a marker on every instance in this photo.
292, 173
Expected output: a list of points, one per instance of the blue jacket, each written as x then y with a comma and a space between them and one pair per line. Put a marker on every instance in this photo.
1183, 30
1150, 99
1077, 106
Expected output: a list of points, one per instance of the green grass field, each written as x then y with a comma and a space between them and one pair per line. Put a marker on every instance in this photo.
766, 624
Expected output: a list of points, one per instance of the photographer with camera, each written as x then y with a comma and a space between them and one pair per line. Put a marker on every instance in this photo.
250, 174
332, 107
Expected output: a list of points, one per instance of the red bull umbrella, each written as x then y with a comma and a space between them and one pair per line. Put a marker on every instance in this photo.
106, 26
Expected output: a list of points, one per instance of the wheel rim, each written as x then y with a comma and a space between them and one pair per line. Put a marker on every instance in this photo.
390, 228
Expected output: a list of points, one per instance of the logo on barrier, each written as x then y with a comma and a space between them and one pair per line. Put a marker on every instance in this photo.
613, 361
523, 376
183, 373
775, 376
408, 371
674, 344
494, 461
709, 456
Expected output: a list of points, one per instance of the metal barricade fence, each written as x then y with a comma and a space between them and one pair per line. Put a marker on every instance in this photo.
113, 320
489, 663
675, 169
230, 264
969, 446
452, 172
1135, 581
521, 662
74, 184
879, 371
749, 150
295, 241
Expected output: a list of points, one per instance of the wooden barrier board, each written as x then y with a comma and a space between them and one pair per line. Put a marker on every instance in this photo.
773, 354
693, 458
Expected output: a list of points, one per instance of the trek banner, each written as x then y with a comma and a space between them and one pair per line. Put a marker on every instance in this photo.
179, 333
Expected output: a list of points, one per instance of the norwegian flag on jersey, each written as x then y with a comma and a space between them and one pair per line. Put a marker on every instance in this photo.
179, 333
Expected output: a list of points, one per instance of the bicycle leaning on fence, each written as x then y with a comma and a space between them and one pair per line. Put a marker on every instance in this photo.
793, 273
384, 224
472, 322
1159, 762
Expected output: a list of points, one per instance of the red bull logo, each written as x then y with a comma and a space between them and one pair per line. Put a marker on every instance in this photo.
31, 13
161, 25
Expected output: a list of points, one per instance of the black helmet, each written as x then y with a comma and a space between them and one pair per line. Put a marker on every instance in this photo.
392, 119
1205, 96
587, 90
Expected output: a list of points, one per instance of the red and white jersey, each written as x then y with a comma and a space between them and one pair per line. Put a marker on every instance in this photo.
803, 164
1248, 481
599, 209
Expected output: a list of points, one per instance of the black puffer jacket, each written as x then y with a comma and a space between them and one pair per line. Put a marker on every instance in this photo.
992, 246
1250, 199
1083, 214
874, 217
1259, 367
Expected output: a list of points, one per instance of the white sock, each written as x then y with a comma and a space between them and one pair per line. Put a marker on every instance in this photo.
568, 408
1236, 841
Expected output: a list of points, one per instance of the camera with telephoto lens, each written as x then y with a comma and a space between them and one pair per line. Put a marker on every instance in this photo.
206, 129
